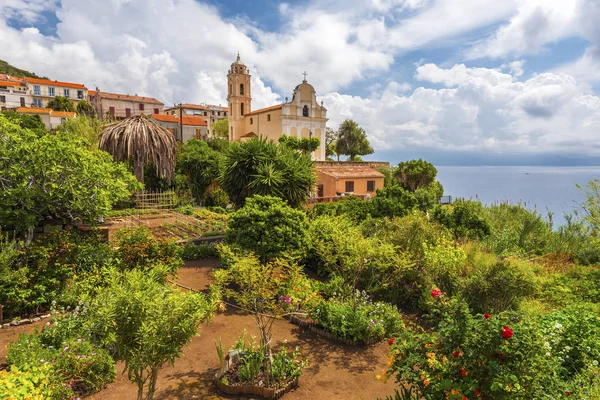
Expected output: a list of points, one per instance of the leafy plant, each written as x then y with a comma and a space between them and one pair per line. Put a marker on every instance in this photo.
146, 322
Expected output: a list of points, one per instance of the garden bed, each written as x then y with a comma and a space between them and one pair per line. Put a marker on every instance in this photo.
245, 389
229, 381
316, 328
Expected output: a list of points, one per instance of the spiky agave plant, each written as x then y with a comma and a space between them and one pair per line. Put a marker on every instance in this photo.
141, 140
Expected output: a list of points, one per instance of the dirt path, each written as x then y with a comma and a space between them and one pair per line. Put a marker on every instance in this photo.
335, 371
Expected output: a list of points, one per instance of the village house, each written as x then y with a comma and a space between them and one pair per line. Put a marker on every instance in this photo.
51, 119
302, 116
44, 90
210, 113
193, 127
13, 93
337, 178
120, 106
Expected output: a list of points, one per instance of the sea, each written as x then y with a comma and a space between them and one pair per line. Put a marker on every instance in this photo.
544, 189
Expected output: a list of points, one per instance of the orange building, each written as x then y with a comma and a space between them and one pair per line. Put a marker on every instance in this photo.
335, 178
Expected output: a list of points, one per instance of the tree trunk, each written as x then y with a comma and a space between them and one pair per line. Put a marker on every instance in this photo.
138, 168
152, 385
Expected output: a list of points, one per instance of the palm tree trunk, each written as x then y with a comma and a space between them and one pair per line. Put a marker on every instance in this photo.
138, 168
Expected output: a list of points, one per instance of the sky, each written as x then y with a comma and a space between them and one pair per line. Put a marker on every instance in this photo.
458, 82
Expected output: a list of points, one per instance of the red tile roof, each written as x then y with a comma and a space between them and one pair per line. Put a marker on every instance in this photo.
193, 121
10, 83
68, 114
127, 97
55, 83
91, 92
249, 135
262, 110
32, 110
348, 171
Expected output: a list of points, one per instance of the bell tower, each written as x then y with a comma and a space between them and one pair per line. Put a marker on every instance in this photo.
239, 98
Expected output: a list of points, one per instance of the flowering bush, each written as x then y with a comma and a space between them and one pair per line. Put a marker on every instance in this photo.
473, 357
76, 363
572, 335
357, 318
33, 383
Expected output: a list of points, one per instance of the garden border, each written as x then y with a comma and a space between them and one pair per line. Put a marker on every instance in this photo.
314, 327
267, 393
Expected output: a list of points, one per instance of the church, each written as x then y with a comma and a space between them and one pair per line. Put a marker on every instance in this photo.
302, 116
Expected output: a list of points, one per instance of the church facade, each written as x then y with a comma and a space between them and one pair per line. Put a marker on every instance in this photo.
302, 116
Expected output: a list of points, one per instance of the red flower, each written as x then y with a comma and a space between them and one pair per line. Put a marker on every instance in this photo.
435, 293
477, 392
568, 393
507, 333
487, 316
455, 353
463, 372
391, 341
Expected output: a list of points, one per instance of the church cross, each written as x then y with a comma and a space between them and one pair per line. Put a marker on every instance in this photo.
305, 74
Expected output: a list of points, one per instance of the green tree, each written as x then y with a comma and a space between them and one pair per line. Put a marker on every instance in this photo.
221, 128
85, 128
146, 322
61, 103
415, 174
55, 176
31, 122
304, 145
85, 108
391, 202
331, 138
257, 289
268, 227
261, 167
202, 167
352, 140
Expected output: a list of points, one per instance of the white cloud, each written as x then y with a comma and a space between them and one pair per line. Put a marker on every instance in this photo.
479, 110
535, 24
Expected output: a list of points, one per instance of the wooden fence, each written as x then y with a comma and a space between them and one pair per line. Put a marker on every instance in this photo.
146, 199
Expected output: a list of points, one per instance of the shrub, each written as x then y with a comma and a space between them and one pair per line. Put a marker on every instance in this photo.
350, 207
76, 363
138, 248
571, 335
393, 202
469, 356
498, 288
517, 230
268, 227
465, 219
193, 251
443, 263
33, 383
357, 319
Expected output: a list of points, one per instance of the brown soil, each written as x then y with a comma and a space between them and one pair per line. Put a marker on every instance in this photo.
335, 371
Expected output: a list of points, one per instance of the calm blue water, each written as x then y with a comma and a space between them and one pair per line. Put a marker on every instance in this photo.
540, 188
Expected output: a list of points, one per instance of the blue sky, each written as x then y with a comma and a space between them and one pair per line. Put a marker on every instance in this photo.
464, 82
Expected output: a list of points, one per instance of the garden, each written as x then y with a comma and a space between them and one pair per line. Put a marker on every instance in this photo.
394, 298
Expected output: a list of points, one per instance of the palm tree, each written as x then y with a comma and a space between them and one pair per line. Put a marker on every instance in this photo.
143, 141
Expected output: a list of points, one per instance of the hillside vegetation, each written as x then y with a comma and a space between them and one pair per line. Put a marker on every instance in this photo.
6, 68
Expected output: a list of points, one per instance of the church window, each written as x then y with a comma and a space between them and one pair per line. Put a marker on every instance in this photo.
268, 117
241, 89
230, 89
305, 111
242, 109
251, 121
231, 137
